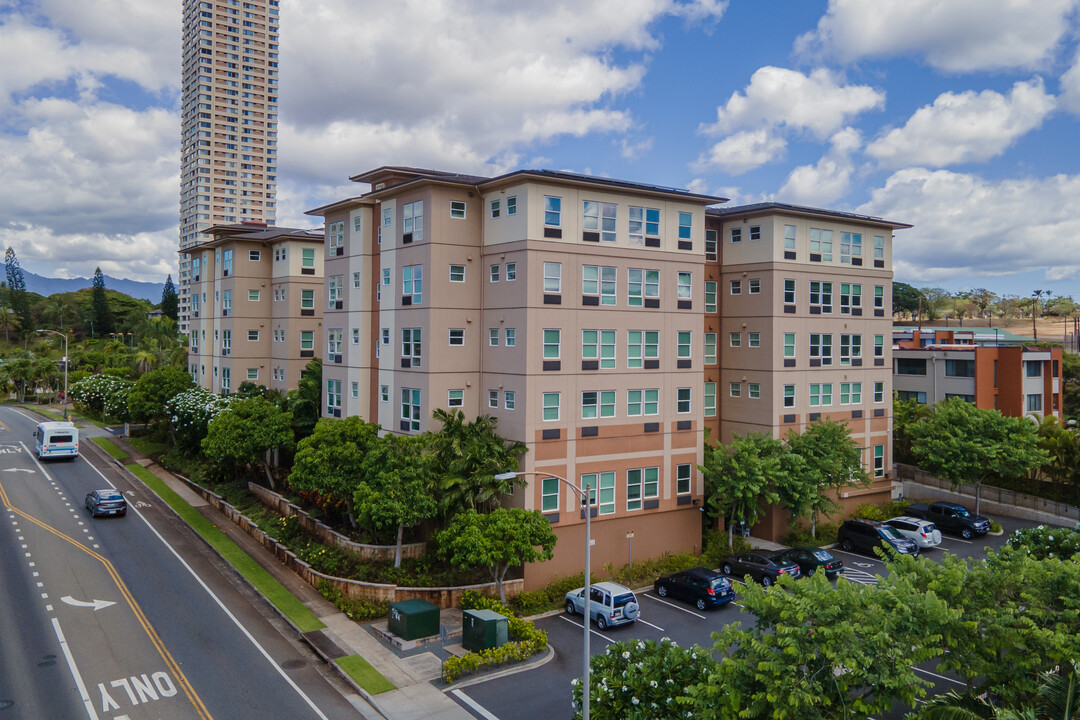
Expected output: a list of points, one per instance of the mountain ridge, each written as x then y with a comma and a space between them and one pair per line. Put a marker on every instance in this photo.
50, 286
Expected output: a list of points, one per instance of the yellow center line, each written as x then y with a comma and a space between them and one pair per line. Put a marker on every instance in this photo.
197, 702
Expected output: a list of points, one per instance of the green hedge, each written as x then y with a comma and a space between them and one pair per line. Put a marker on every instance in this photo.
529, 640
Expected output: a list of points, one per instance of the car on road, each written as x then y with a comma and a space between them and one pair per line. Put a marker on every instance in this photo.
861, 535
700, 586
923, 532
809, 559
951, 517
106, 503
759, 565
612, 604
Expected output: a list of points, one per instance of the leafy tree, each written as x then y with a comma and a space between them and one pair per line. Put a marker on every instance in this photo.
170, 302
330, 461
905, 299
100, 312
60, 307
831, 461
1062, 446
149, 399
20, 371
823, 651
468, 456
966, 444
305, 402
190, 414
905, 414
983, 299
396, 487
1058, 698
1017, 617
246, 433
499, 540
46, 373
1070, 375
643, 680
738, 478
935, 302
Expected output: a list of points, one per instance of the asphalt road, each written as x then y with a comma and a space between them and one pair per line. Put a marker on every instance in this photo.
134, 617
545, 691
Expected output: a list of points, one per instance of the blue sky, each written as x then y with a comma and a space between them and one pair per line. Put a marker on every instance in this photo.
958, 116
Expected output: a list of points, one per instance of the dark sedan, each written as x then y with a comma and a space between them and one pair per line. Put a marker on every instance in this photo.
809, 559
106, 503
760, 566
700, 586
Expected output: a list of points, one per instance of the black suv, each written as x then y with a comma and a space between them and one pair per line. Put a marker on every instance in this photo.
865, 535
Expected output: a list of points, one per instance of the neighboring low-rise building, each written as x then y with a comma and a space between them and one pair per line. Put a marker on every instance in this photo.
256, 306
1019, 381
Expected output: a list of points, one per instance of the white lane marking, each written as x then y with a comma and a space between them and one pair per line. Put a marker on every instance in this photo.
74, 671
476, 707
948, 679
594, 632
956, 539
650, 624
220, 604
670, 604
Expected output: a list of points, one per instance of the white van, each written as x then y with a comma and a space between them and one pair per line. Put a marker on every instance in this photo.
56, 439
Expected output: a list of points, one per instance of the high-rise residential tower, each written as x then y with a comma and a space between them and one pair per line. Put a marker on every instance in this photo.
228, 170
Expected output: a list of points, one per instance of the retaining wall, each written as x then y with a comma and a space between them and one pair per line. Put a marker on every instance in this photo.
326, 535
444, 597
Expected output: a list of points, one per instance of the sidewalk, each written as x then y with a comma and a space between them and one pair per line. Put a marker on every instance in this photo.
415, 697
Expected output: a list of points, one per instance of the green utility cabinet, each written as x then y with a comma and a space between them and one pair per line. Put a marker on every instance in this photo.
412, 619
483, 629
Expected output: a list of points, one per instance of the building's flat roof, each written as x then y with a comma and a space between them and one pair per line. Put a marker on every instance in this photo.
255, 233
976, 333
775, 207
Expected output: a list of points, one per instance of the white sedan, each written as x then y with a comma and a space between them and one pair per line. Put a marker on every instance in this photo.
922, 532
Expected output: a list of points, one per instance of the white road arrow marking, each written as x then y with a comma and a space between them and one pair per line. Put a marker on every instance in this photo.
96, 604
25, 470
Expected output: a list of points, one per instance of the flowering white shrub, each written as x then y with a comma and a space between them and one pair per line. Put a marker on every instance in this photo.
105, 395
1044, 542
192, 410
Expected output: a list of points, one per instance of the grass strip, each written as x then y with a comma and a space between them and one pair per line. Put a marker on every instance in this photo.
58, 417
364, 675
110, 447
263, 581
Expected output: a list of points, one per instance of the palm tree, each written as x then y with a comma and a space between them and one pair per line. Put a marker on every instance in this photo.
45, 374
60, 306
1058, 698
468, 457
9, 321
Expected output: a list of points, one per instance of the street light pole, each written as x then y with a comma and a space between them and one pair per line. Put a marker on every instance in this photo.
584, 495
63, 335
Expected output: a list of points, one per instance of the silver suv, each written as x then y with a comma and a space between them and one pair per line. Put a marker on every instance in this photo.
612, 604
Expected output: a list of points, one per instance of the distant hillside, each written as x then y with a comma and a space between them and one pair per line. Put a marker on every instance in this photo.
49, 286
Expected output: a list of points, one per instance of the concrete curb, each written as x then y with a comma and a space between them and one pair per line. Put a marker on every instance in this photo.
368, 697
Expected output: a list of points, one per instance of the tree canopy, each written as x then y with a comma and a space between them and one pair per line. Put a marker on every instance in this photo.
329, 463
170, 302
966, 444
499, 540
247, 431
100, 314
739, 477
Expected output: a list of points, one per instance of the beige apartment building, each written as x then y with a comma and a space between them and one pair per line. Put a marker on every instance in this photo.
256, 306
607, 325
229, 100
800, 301
571, 308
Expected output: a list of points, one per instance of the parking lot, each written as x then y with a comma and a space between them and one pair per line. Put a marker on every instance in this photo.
545, 691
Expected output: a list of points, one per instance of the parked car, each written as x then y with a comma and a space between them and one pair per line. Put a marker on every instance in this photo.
106, 503
923, 532
809, 559
950, 517
700, 586
759, 565
865, 535
612, 604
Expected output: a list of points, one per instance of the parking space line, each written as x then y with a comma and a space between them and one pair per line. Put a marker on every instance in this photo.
969, 542
689, 612
948, 679
650, 624
576, 623
475, 706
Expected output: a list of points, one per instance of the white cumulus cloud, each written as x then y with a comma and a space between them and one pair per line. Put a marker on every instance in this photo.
829, 179
955, 35
819, 103
742, 151
965, 225
1070, 87
965, 127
